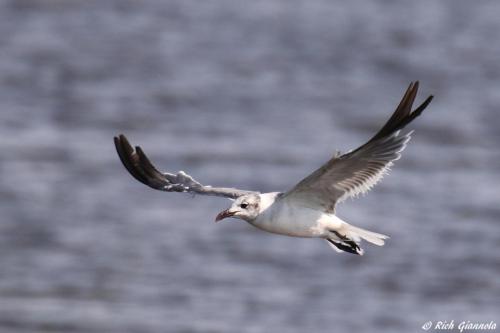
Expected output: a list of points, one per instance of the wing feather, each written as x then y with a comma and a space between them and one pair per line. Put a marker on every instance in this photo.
356, 172
140, 167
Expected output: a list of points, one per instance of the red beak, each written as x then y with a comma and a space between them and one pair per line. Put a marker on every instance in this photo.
222, 215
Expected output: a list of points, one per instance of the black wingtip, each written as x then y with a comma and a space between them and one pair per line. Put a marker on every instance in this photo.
403, 114
156, 179
138, 164
422, 106
129, 158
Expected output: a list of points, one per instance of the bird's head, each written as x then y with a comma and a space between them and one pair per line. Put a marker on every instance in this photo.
245, 207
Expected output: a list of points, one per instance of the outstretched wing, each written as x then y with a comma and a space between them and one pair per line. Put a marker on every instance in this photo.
141, 168
358, 171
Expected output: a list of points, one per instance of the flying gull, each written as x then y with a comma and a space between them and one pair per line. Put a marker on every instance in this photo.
308, 209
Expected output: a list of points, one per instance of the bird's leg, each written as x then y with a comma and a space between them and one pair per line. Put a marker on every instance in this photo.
344, 247
339, 235
344, 239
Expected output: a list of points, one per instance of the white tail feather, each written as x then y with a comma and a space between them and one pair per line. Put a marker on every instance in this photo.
370, 236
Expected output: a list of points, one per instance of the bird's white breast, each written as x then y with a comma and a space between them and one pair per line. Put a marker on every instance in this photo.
281, 217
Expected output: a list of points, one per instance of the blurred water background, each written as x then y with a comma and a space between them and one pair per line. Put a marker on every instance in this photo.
252, 94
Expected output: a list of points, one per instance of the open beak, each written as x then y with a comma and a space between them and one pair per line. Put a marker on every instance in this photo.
224, 214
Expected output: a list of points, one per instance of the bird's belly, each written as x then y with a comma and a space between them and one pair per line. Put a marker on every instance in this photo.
292, 221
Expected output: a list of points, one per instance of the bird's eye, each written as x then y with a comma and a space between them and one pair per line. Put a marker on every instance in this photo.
244, 205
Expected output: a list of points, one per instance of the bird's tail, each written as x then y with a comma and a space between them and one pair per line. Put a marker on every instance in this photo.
348, 237
369, 236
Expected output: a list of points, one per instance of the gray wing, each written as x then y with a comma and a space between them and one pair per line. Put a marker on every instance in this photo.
358, 171
141, 168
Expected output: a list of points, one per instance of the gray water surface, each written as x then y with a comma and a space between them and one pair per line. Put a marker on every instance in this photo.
252, 94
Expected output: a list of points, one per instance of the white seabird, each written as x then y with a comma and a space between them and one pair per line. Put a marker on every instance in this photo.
308, 209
